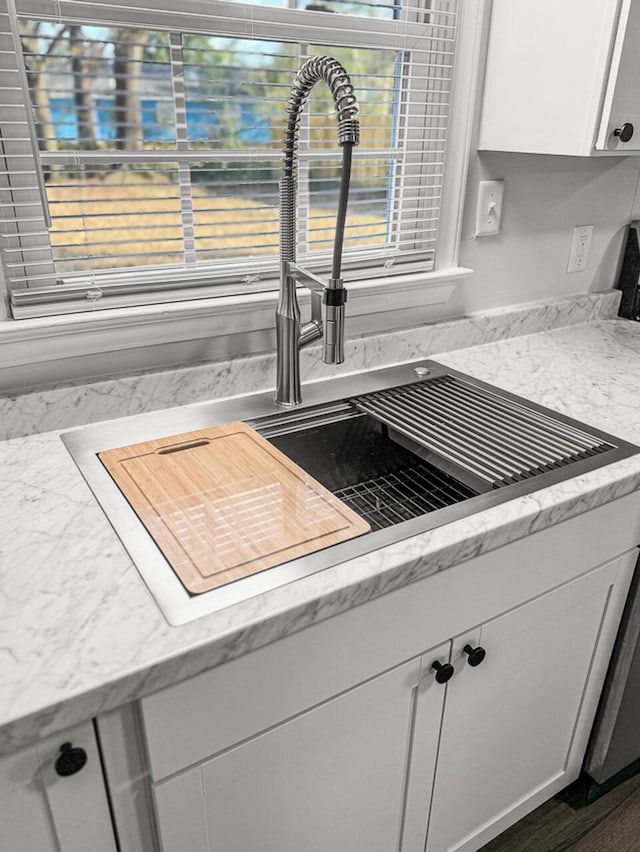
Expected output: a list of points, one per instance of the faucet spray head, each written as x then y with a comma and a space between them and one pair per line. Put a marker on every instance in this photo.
335, 297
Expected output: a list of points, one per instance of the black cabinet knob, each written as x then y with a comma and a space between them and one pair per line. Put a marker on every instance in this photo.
444, 671
474, 655
70, 760
625, 132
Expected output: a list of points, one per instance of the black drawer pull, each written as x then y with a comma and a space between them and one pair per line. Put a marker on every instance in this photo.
70, 760
475, 655
625, 132
444, 671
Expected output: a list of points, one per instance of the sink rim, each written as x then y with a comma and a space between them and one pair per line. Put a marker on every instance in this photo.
180, 607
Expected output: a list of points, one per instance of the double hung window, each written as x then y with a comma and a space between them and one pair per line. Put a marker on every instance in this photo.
141, 144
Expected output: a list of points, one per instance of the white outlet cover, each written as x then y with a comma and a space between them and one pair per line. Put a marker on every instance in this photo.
580, 246
489, 209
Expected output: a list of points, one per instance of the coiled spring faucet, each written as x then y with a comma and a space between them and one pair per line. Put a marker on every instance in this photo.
291, 335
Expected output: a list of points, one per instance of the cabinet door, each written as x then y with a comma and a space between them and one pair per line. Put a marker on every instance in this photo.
41, 811
622, 95
515, 726
333, 778
545, 72
25, 822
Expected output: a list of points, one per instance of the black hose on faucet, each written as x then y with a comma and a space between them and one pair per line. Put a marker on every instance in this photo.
341, 215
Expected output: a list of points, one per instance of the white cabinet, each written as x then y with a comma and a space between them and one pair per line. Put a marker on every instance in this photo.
340, 737
511, 733
41, 811
622, 96
330, 779
359, 771
562, 78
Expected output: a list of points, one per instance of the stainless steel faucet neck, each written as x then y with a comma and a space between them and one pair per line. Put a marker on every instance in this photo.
290, 334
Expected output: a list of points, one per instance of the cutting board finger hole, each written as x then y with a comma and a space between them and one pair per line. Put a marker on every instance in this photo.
192, 445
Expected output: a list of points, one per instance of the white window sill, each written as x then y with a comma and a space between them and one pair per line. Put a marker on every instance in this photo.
33, 341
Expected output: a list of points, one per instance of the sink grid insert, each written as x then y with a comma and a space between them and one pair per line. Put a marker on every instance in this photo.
409, 493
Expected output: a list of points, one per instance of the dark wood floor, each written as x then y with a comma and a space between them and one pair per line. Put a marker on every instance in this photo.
611, 824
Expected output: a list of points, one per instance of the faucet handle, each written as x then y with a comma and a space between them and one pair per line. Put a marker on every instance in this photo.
316, 305
312, 281
312, 330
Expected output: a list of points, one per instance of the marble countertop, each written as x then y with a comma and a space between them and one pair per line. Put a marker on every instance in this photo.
80, 634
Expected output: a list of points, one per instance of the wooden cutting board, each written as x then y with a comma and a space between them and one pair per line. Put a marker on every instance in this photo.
223, 503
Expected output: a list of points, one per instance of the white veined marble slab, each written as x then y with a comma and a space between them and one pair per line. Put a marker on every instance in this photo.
63, 407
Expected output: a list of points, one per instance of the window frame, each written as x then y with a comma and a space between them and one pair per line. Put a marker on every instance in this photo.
170, 321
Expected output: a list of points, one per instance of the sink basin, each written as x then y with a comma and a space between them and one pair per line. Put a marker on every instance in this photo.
407, 448
372, 470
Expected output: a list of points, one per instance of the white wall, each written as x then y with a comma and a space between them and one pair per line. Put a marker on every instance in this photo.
545, 197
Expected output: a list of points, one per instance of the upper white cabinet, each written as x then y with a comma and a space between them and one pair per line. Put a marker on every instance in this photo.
562, 78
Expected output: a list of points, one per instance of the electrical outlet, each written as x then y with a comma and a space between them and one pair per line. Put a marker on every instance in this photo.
489, 210
580, 245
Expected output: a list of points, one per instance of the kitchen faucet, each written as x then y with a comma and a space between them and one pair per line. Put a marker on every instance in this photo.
291, 335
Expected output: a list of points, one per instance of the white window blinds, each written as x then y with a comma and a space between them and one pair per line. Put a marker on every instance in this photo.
141, 145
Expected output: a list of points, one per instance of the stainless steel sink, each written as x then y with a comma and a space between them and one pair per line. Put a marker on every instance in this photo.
409, 448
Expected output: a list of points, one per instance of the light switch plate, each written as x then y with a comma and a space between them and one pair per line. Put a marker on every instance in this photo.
489, 210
